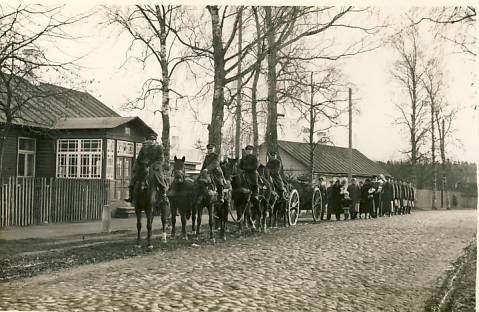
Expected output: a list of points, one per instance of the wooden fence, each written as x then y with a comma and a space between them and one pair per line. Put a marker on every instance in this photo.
26, 201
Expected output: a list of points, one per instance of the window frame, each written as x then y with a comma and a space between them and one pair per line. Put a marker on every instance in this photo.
32, 153
82, 147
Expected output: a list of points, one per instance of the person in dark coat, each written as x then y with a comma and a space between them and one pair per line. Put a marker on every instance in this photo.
211, 165
150, 155
249, 164
413, 197
324, 196
364, 205
355, 195
402, 196
329, 196
387, 197
336, 200
275, 166
395, 195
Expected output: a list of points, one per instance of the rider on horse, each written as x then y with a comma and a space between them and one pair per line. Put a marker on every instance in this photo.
211, 165
150, 155
275, 167
249, 163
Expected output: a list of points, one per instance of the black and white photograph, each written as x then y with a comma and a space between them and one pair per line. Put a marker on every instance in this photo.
238, 156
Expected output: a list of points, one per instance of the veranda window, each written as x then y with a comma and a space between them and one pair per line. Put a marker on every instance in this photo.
26, 157
79, 158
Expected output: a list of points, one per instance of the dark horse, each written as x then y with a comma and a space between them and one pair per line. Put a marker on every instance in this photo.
205, 196
181, 195
147, 199
267, 195
241, 194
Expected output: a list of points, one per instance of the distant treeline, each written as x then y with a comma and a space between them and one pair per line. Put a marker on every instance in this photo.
460, 176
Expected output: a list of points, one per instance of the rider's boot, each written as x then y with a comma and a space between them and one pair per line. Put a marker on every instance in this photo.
219, 189
130, 192
255, 191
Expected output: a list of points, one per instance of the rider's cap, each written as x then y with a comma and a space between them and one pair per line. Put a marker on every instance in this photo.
152, 136
210, 145
249, 147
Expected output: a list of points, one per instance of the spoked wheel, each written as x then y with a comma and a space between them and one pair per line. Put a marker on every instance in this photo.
316, 205
293, 207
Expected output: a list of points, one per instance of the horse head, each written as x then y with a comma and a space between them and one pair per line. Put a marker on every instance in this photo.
263, 171
179, 169
230, 168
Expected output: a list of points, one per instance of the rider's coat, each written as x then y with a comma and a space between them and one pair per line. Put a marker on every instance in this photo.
212, 164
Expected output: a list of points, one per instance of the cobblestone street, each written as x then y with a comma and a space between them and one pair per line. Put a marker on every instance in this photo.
385, 264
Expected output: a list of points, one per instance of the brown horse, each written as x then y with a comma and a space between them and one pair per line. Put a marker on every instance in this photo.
146, 198
205, 196
181, 195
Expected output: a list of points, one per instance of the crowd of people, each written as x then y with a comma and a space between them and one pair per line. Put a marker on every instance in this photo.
371, 198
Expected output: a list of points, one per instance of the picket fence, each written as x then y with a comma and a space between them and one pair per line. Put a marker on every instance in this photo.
27, 201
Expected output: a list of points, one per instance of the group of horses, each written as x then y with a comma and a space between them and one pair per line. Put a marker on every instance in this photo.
188, 198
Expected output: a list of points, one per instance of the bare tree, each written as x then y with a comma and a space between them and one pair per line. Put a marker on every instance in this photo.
150, 27
445, 117
25, 33
456, 24
288, 26
409, 71
433, 81
216, 49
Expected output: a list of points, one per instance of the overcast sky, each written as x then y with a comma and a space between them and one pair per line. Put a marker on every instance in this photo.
375, 134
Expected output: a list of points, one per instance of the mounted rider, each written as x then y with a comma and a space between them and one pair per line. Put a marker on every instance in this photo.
150, 155
275, 168
211, 165
249, 164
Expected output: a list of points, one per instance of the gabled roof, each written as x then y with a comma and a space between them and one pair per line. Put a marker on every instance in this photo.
46, 103
330, 159
91, 122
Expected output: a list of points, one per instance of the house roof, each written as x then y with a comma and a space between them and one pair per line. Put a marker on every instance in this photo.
54, 107
48, 103
330, 159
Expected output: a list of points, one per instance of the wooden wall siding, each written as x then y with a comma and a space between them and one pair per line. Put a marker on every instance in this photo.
45, 158
10, 153
26, 201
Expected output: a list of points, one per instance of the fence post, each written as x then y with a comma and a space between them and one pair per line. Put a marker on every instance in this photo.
106, 219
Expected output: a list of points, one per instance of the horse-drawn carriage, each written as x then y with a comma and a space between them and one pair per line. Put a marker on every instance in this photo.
311, 197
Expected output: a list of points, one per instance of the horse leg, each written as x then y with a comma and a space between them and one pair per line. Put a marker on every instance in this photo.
211, 221
183, 226
193, 220
173, 220
149, 225
164, 222
224, 219
199, 212
138, 226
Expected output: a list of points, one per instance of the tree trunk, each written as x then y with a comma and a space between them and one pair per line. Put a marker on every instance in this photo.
217, 113
238, 104
165, 105
433, 152
254, 99
272, 122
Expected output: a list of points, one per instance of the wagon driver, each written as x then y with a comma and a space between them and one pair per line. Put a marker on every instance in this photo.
249, 163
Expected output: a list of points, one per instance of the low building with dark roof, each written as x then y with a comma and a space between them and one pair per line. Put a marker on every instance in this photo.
329, 160
65, 133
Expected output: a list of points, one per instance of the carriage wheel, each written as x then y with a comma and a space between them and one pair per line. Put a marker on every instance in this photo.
316, 205
293, 207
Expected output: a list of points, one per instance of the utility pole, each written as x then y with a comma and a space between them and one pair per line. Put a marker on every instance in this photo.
311, 132
433, 152
350, 174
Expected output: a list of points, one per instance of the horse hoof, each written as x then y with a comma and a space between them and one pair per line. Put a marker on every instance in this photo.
138, 246
224, 238
150, 247
163, 238
213, 240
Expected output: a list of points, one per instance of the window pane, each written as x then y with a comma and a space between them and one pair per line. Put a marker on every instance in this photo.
96, 166
30, 165
21, 165
84, 166
26, 144
62, 166
127, 168
73, 166
119, 167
